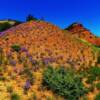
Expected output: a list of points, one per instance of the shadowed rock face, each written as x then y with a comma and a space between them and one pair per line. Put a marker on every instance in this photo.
80, 31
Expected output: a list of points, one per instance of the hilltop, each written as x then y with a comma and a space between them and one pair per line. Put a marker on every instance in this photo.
80, 31
28, 49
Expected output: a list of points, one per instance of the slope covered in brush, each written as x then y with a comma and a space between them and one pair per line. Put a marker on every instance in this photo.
28, 49
44, 41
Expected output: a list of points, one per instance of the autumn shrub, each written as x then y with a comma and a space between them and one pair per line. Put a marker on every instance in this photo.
12, 62
34, 97
64, 82
50, 98
16, 47
28, 72
2, 78
1, 69
91, 88
9, 89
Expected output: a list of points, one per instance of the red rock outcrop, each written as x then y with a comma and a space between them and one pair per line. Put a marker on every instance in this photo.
80, 31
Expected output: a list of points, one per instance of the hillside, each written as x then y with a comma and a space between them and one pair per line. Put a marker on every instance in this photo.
80, 31
47, 41
8, 23
26, 50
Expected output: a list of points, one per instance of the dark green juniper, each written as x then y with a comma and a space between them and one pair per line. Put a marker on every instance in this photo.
16, 47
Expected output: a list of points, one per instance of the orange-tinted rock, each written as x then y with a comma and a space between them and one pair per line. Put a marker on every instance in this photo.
81, 32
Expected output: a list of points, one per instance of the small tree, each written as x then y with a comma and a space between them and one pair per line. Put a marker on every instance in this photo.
30, 18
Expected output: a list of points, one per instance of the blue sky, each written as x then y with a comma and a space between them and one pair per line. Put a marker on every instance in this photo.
59, 12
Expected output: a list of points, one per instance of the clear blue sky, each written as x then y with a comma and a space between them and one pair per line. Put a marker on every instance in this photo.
59, 12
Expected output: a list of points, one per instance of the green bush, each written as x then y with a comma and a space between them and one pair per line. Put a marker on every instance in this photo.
64, 82
16, 47
94, 71
15, 96
93, 74
98, 86
97, 97
91, 79
30, 18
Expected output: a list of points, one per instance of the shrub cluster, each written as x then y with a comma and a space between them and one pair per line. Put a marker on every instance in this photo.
16, 47
93, 74
15, 96
64, 82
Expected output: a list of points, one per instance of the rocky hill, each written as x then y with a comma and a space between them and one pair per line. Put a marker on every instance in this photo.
43, 41
80, 31
26, 50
